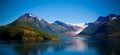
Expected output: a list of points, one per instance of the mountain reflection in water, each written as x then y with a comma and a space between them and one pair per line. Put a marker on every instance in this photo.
67, 46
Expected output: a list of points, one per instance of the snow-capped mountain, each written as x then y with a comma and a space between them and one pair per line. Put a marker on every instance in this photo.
57, 28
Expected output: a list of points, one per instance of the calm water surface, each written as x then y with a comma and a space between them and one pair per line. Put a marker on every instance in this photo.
67, 46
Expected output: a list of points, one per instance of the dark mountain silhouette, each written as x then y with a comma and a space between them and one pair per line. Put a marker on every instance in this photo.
104, 27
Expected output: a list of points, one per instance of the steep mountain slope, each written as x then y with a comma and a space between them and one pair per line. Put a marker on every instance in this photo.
67, 26
104, 27
56, 28
73, 29
36, 23
25, 27
24, 33
59, 23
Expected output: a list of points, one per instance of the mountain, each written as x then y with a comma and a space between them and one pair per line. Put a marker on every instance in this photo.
77, 29
30, 25
73, 29
57, 28
67, 26
36, 23
27, 27
104, 27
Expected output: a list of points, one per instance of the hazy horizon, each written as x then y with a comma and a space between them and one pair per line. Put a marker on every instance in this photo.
68, 11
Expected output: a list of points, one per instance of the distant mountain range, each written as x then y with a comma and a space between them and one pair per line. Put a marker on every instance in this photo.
103, 27
72, 29
30, 27
57, 28
26, 27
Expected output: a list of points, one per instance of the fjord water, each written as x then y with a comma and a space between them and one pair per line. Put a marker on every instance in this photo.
67, 46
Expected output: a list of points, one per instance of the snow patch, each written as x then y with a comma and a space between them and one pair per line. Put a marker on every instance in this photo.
50, 22
114, 18
81, 25
39, 19
30, 15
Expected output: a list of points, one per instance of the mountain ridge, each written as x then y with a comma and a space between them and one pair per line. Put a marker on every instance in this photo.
53, 28
33, 22
104, 27
25, 28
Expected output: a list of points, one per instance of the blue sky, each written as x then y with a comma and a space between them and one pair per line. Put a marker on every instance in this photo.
68, 11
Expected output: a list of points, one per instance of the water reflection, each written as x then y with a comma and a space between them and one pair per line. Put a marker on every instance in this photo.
105, 47
70, 46
76, 45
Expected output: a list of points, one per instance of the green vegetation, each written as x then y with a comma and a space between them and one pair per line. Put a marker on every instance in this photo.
40, 25
24, 22
25, 28
23, 33
113, 28
90, 30
109, 28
